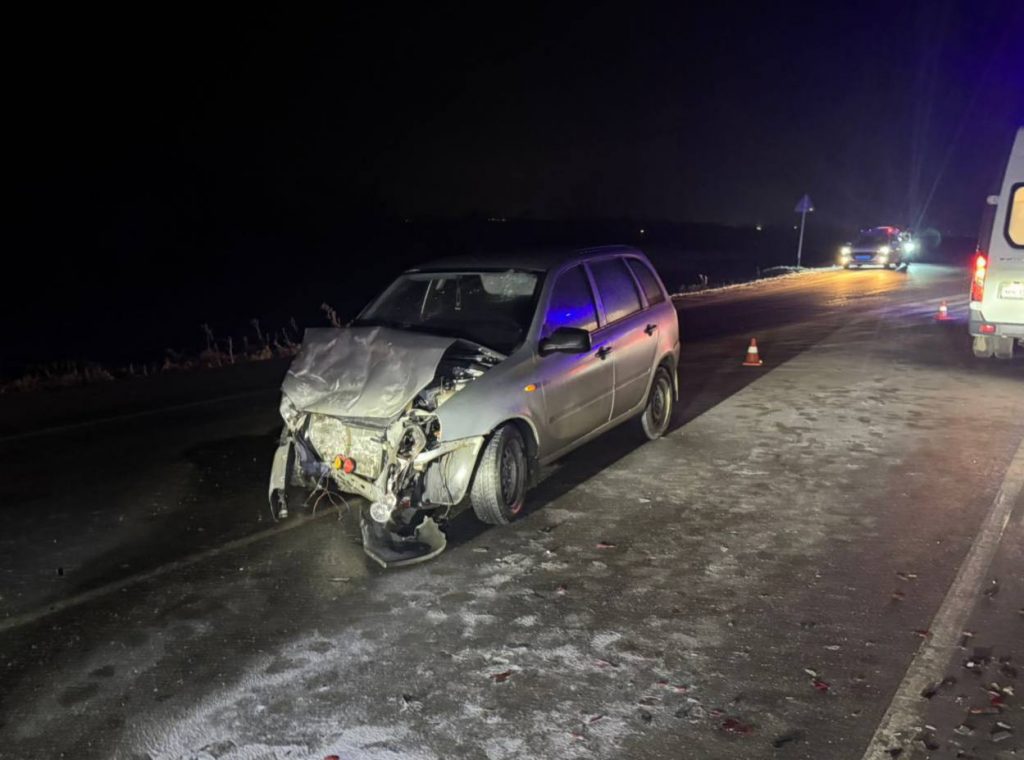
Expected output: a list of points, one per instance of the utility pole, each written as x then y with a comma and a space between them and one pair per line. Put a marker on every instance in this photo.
803, 206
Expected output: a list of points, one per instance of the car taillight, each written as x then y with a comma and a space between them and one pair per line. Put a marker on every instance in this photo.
978, 283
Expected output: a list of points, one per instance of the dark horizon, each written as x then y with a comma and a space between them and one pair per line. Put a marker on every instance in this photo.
157, 156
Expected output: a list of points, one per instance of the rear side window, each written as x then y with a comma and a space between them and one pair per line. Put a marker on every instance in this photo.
617, 289
648, 281
1015, 217
572, 303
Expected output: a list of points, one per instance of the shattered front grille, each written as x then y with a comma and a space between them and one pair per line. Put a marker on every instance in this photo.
332, 437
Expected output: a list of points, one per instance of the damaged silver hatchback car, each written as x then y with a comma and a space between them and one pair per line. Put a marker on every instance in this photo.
463, 377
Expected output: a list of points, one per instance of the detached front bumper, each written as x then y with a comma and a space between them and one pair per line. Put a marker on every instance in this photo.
388, 549
440, 476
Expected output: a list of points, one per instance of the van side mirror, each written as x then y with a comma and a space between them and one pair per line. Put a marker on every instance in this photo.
566, 340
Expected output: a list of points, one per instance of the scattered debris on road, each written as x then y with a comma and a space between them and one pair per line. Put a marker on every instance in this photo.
736, 726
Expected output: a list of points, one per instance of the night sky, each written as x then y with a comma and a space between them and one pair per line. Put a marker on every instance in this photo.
147, 148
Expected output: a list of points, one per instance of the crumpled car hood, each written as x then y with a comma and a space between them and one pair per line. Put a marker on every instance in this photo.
362, 371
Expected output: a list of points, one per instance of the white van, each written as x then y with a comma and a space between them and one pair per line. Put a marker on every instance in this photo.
997, 288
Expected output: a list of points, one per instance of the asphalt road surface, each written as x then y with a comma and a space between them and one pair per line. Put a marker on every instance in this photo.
816, 543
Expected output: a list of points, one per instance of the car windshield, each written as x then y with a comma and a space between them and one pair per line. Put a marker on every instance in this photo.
492, 308
873, 237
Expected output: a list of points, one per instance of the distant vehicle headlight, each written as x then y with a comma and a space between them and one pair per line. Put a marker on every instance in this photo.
845, 251
910, 246
884, 250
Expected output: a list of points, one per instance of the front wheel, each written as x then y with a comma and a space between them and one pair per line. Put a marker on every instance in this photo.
657, 414
499, 486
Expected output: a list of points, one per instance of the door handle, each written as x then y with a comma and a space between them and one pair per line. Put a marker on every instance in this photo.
650, 329
603, 351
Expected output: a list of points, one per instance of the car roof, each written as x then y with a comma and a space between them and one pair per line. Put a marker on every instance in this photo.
535, 259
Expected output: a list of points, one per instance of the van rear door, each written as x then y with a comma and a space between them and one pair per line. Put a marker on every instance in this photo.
1003, 301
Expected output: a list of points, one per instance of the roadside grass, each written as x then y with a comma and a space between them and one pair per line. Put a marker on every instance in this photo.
259, 344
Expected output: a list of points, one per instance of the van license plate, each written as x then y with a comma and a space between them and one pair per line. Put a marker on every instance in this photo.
1012, 290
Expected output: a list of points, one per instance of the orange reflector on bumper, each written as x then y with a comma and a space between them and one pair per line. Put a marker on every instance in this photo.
344, 464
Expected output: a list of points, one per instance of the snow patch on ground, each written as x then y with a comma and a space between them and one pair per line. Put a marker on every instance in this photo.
790, 273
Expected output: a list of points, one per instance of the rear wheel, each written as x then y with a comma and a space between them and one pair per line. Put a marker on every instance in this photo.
657, 413
499, 486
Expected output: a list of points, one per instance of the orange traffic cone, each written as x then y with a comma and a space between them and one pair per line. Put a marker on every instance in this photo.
943, 314
753, 358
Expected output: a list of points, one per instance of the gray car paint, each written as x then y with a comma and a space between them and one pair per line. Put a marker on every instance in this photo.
375, 372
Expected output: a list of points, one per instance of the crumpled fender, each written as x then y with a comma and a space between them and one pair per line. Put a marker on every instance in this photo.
280, 467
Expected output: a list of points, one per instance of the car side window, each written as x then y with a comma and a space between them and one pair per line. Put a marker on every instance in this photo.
572, 303
648, 281
617, 288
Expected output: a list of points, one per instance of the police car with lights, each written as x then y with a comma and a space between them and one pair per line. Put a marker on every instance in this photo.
887, 247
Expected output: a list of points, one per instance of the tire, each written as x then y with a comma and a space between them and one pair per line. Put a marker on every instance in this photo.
1003, 348
499, 485
657, 413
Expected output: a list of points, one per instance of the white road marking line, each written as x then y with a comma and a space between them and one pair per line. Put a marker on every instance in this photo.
905, 715
132, 415
60, 605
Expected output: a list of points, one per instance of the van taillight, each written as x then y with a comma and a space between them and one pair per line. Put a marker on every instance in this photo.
978, 283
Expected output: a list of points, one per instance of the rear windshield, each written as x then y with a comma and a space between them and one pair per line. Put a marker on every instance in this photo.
1015, 217
873, 237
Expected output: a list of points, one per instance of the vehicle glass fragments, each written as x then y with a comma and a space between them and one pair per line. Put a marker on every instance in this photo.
617, 289
572, 303
493, 309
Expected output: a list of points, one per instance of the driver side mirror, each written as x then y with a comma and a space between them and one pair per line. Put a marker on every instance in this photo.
566, 340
